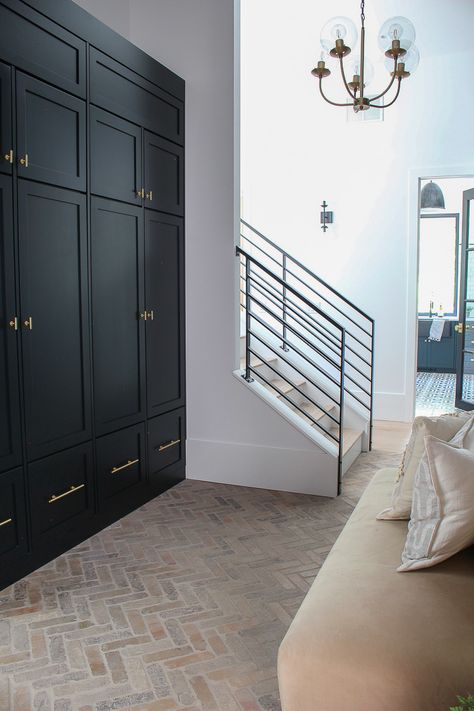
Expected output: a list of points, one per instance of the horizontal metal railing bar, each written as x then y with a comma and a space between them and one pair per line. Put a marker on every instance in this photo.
279, 354
297, 350
298, 335
298, 389
327, 300
260, 291
281, 394
334, 363
311, 274
247, 239
312, 323
361, 402
291, 288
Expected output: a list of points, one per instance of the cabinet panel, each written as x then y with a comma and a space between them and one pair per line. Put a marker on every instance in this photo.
120, 464
116, 157
32, 42
10, 445
53, 273
51, 139
164, 284
164, 175
127, 94
61, 491
166, 447
6, 135
117, 301
12, 515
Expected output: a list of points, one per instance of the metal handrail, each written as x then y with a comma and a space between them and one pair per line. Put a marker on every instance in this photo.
320, 319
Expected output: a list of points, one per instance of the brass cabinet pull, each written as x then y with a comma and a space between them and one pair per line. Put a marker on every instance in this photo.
130, 463
141, 193
149, 196
459, 327
13, 323
167, 445
72, 489
24, 161
9, 156
150, 315
143, 315
28, 323
7, 520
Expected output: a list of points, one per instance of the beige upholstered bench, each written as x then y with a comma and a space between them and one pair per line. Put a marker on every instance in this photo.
367, 638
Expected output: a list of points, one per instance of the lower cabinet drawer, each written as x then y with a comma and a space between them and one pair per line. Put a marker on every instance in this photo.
61, 493
13, 540
120, 463
166, 448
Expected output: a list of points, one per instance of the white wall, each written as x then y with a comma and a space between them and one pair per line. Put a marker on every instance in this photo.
297, 151
115, 13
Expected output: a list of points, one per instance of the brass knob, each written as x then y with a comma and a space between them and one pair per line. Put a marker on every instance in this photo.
28, 323
459, 327
9, 156
149, 196
24, 161
13, 323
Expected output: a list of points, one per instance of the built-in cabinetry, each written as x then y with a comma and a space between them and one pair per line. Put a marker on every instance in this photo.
436, 356
92, 390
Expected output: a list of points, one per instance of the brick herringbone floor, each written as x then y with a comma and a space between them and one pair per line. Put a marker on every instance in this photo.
180, 605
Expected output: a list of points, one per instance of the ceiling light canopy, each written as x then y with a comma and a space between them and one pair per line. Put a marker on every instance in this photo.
396, 39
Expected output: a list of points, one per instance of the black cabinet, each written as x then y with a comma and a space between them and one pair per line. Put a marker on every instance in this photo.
61, 493
92, 385
54, 317
166, 436
6, 134
436, 356
13, 539
118, 314
51, 134
164, 264
116, 157
10, 445
121, 465
164, 175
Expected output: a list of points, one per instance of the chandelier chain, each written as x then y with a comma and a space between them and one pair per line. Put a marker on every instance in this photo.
362, 12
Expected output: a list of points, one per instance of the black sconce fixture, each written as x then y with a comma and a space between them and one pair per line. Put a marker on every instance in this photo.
326, 217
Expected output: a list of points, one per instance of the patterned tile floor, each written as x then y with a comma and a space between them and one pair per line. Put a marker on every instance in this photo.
435, 392
180, 605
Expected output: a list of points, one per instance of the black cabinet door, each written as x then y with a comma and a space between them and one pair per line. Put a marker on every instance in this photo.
116, 157
117, 302
6, 136
121, 466
12, 516
51, 140
54, 317
164, 283
166, 449
61, 494
10, 445
164, 175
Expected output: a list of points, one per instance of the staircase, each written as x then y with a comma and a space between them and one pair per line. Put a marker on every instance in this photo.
307, 351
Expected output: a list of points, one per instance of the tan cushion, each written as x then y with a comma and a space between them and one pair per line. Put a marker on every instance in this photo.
443, 427
369, 639
442, 512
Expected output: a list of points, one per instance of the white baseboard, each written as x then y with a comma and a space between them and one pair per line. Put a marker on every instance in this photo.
392, 406
262, 467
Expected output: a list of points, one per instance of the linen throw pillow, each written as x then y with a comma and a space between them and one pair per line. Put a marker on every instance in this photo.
442, 515
443, 427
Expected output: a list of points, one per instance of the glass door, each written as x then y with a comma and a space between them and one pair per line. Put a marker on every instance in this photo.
465, 327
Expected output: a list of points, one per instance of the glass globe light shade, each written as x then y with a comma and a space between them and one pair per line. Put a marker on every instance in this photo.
396, 28
411, 60
338, 28
354, 68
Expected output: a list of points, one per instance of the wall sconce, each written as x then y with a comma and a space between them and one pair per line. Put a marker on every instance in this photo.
327, 218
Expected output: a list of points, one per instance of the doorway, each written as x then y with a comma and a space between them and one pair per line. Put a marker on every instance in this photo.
440, 302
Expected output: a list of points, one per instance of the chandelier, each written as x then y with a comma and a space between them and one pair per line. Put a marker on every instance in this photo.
396, 39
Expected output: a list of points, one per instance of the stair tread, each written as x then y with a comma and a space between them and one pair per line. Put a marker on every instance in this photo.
350, 438
285, 386
316, 412
257, 362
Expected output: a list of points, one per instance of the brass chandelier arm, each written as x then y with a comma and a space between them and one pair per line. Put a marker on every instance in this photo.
374, 98
333, 103
352, 95
378, 106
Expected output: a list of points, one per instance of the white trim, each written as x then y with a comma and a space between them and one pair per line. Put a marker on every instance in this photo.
411, 355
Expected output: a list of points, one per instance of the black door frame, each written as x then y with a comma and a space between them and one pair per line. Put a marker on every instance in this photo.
468, 196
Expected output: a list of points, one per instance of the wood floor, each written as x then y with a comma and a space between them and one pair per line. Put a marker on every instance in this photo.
180, 605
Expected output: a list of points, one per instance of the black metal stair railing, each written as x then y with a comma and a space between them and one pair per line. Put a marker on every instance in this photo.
286, 307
